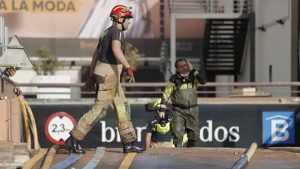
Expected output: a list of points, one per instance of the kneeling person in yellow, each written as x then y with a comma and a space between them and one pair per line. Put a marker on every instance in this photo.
158, 133
105, 70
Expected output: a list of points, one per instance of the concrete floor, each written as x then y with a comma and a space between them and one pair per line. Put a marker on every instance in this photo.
184, 158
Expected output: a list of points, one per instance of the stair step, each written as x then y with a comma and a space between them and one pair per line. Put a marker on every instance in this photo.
225, 39
223, 63
221, 47
221, 36
227, 49
219, 60
229, 24
221, 72
223, 56
221, 52
219, 69
225, 32
221, 33
221, 43
225, 46
227, 42
213, 48
231, 70
218, 64
227, 20
221, 24
225, 29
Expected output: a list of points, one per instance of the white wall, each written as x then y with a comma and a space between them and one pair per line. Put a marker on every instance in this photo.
75, 74
245, 66
273, 47
29, 76
224, 91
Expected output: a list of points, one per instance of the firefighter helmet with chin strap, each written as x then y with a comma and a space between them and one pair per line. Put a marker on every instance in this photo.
120, 11
164, 125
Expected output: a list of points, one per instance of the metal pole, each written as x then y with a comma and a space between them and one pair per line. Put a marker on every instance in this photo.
252, 47
163, 52
162, 20
173, 42
2, 34
6, 39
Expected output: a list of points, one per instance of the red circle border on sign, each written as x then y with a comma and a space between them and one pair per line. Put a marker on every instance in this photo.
48, 121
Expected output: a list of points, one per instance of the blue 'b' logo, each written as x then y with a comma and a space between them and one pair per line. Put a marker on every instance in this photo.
278, 128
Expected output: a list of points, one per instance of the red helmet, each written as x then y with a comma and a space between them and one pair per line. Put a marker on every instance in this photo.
121, 11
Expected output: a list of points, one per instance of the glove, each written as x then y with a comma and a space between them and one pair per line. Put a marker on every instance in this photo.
191, 67
17, 91
198, 76
130, 75
90, 84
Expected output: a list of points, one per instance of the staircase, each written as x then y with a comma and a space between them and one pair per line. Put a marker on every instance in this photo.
224, 44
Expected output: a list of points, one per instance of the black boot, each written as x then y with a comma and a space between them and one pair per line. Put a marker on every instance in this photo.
177, 143
131, 148
73, 146
191, 143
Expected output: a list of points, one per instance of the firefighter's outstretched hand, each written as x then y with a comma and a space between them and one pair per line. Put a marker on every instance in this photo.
90, 84
130, 76
161, 114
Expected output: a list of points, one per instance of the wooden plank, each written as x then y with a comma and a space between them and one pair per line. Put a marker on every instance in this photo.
16, 120
68, 161
8, 120
245, 158
127, 160
99, 154
3, 124
30, 163
49, 157
9, 90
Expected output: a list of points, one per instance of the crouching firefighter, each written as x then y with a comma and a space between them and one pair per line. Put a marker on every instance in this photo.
158, 133
182, 89
105, 69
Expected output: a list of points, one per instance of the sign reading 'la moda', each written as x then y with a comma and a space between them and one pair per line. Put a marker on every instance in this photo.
39, 6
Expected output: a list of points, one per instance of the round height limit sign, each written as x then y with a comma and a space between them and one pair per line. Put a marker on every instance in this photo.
58, 126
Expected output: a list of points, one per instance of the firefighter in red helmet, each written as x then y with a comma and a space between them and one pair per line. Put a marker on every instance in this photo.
105, 69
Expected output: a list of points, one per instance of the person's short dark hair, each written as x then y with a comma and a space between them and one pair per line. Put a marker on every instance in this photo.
179, 60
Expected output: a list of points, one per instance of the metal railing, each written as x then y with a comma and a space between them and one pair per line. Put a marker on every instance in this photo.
267, 89
3, 35
210, 6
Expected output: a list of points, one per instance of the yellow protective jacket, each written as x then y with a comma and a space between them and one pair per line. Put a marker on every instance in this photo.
182, 90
